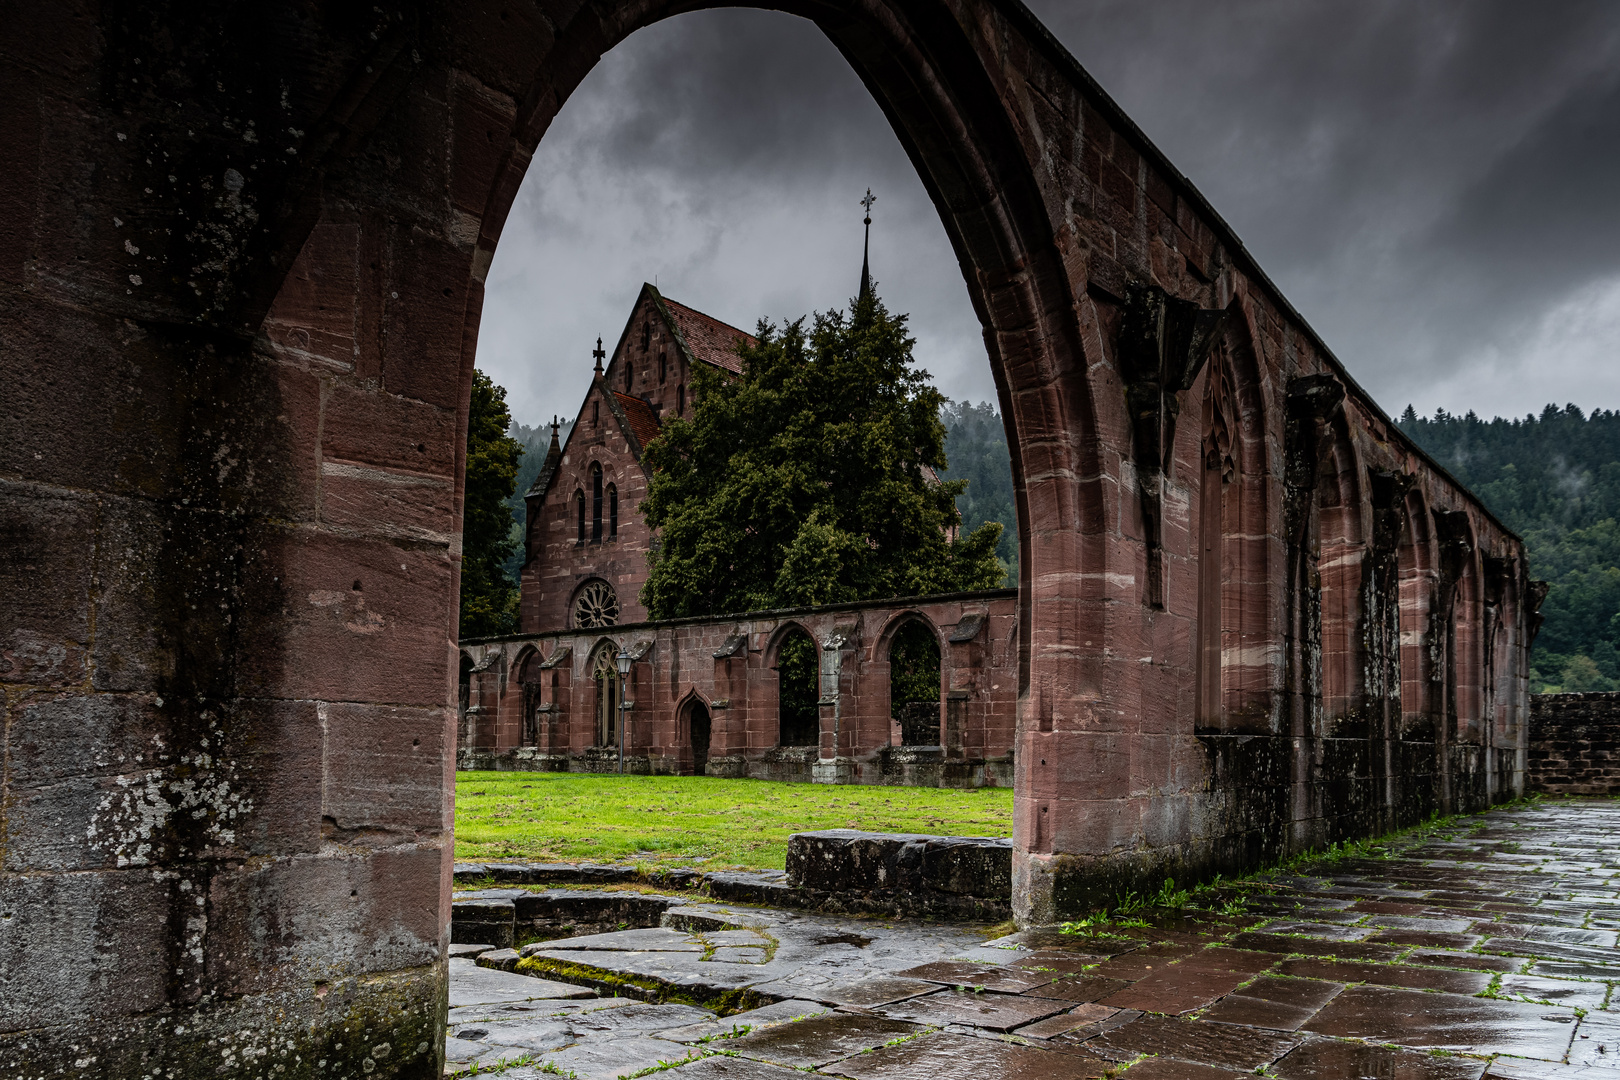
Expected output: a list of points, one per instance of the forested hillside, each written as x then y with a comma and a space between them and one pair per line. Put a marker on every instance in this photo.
1555, 480
535, 442
976, 447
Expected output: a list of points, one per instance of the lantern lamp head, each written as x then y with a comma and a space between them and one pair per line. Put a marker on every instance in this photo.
623, 660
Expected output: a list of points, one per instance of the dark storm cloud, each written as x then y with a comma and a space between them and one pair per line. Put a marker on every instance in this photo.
1432, 185
1547, 211
741, 92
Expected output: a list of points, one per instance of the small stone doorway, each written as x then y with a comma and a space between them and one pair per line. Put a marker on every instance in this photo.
698, 719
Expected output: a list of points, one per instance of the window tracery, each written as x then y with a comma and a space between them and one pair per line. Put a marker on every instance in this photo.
596, 606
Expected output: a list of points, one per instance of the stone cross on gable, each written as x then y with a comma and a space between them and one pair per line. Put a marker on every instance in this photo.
598, 354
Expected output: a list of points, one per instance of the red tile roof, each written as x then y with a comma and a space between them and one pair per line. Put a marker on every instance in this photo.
710, 340
643, 421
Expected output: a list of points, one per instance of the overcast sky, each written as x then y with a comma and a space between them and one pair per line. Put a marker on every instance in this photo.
1435, 186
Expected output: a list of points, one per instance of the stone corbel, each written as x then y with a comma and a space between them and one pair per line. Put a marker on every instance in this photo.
1456, 548
1313, 401
736, 644
1163, 344
1389, 490
967, 628
1535, 593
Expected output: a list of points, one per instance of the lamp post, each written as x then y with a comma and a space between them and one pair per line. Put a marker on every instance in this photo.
623, 660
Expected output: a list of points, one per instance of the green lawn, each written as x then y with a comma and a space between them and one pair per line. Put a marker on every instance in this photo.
675, 819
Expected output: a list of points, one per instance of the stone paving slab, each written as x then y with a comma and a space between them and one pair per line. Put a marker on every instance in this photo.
1336, 1059
768, 1016
1482, 956
473, 985
1447, 1022
1006, 978
878, 990
821, 1040
943, 1056
971, 1008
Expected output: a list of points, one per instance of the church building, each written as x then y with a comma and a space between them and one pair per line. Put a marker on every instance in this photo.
586, 542
711, 695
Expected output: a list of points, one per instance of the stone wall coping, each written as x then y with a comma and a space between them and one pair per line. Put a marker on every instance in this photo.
1572, 698
766, 613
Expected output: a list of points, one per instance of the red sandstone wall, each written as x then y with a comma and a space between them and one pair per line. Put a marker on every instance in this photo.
678, 665
242, 257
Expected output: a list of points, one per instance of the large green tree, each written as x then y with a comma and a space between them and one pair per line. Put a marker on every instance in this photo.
489, 596
806, 480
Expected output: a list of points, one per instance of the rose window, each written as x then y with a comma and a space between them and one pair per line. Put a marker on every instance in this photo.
597, 605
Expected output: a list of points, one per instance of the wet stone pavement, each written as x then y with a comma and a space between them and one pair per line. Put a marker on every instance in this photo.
1484, 948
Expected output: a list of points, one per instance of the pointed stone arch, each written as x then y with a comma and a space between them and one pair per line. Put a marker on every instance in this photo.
1235, 673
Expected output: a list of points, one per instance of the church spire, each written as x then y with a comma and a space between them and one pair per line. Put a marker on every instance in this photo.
866, 251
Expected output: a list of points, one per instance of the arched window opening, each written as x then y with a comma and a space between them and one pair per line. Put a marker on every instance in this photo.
596, 501
579, 505
629, 376
1219, 470
613, 510
680, 400
914, 684
596, 413
464, 689
663, 367
605, 674
798, 697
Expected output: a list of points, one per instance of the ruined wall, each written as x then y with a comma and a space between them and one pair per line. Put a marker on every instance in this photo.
242, 255
1574, 744
532, 703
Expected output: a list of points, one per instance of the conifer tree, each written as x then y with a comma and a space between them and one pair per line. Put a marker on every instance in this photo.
489, 596
806, 479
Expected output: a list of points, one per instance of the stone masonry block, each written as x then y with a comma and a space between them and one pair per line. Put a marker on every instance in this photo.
324, 608
46, 555
847, 861
83, 948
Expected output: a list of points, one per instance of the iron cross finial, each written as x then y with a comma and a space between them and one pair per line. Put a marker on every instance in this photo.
867, 202
598, 354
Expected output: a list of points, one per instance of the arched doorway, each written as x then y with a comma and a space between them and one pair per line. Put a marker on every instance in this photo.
698, 729
914, 693
798, 712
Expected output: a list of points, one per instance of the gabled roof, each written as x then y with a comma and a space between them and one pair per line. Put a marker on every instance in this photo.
701, 337
642, 421
705, 337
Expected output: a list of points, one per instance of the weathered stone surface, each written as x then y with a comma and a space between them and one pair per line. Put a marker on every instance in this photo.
202, 328
483, 921
475, 985
1573, 748
1178, 962
1447, 1022
903, 873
